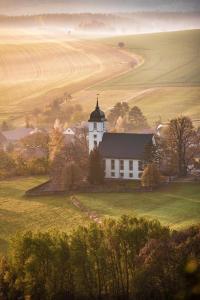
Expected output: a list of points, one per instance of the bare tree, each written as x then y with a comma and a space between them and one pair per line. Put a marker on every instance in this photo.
181, 142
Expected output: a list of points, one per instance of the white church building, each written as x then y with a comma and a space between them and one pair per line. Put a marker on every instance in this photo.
122, 153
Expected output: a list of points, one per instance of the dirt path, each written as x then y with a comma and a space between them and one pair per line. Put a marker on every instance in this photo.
90, 214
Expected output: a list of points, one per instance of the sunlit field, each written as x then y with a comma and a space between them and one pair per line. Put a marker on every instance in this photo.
167, 84
177, 206
37, 67
155, 72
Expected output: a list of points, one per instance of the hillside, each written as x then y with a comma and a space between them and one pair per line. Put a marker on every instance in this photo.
37, 67
176, 206
168, 81
157, 72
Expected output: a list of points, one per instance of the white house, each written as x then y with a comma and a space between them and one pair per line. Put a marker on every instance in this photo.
122, 153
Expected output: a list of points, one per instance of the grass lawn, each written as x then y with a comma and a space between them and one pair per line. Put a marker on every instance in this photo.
177, 205
18, 213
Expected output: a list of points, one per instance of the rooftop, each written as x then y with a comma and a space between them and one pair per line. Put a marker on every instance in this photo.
124, 145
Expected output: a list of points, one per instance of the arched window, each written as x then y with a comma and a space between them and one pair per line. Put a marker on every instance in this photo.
95, 126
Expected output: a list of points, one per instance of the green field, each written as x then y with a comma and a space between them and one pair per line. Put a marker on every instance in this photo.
168, 82
177, 205
170, 59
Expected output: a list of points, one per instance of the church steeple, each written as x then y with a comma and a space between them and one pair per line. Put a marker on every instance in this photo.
97, 115
97, 126
97, 105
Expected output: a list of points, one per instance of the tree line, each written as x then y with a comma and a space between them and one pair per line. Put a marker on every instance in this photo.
128, 258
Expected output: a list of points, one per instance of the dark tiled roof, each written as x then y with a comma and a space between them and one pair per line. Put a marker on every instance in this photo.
124, 145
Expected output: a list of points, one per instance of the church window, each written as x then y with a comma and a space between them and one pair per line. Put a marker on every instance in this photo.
130, 165
121, 165
131, 175
95, 126
95, 136
112, 164
95, 143
112, 174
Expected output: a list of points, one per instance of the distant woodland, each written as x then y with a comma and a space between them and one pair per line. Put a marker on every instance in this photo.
133, 22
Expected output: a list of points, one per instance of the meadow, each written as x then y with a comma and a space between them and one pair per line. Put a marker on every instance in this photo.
158, 72
167, 83
37, 67
177, 206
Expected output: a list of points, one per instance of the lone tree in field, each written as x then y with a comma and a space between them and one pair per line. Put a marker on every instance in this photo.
151, 176
181, 141
96, 170
121, 45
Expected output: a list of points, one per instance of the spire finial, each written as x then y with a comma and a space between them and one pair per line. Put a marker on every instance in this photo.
97, 106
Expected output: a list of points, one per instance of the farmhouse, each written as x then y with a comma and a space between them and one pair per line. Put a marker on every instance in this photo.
123, 153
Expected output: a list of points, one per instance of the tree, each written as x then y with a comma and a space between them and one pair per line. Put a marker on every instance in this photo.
181, 142
152, 153
120, 109
136, 119
121, 44
96, 171
151, 176
37, 140
7, 165
68, 161
4, 126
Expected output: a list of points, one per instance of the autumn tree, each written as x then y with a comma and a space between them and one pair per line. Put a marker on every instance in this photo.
181, 142
36, 140
68, 160
151, 176
4, 126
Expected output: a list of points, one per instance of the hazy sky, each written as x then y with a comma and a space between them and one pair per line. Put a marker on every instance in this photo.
16, 7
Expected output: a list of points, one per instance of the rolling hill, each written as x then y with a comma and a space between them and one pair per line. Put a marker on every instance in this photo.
167, 83
158, 72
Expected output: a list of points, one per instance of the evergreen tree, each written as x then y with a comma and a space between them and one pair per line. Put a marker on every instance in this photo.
152, 154
96, 171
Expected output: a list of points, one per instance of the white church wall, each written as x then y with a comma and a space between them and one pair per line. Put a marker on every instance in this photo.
116, 172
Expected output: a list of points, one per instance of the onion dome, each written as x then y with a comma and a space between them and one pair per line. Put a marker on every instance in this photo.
97, 115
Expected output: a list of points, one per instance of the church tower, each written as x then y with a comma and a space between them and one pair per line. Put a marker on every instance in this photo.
97, 127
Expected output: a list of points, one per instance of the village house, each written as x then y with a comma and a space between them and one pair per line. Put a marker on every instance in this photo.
123, 153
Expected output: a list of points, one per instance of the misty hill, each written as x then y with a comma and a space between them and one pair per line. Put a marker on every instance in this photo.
108, 23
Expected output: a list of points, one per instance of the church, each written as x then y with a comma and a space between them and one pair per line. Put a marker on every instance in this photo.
122, 153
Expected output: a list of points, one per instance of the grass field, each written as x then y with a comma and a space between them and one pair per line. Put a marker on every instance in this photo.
177, 206
18, 214
36, 68
167, 84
